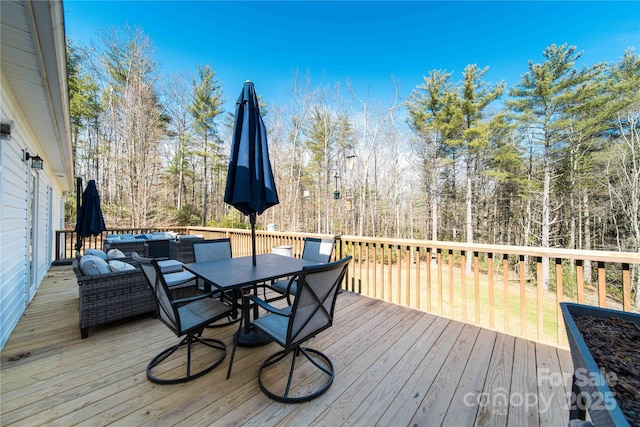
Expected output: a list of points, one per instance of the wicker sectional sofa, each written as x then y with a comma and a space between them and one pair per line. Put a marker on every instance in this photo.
111, 296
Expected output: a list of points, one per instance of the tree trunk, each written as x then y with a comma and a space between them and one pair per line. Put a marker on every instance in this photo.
433, 190
587, 235
546, 214
469, 221
204, 187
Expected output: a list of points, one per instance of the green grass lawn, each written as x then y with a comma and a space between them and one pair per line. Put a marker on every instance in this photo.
440, 302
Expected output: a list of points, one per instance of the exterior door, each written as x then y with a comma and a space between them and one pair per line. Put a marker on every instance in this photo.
32, 283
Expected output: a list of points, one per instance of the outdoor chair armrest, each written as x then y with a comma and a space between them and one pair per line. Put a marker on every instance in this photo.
291, 279
194, 298
270, 308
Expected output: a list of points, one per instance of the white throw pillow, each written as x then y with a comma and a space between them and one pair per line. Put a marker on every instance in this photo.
120, 266
91, 265
96, 252
115, 254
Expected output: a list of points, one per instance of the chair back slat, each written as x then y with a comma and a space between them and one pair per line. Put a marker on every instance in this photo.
211, 250
167, 311
318, 250
314, 304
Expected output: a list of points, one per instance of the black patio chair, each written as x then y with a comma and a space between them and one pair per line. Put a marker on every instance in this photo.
186, 318
310, 314
315, 249
211, 250
181, 283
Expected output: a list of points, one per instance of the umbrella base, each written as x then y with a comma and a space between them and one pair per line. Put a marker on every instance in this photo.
253, 338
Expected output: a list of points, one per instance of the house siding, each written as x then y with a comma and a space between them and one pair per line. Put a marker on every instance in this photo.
15, 175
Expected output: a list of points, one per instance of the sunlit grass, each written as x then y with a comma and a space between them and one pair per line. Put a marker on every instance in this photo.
539, 318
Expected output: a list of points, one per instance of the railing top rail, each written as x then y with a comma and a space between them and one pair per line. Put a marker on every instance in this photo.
195, 229
578, 254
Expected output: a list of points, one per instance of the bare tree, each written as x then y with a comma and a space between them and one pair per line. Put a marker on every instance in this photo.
372, 125
623, 168
137, 118
301, 99
180, 136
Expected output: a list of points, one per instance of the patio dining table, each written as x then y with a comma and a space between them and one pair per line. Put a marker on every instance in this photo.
240, 274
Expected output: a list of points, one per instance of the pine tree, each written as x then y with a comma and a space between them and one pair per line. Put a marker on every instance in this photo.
205, 107
475, 98
540, 100
435, 116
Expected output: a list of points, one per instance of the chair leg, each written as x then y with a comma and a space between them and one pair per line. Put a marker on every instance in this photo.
233, 349
188, 340
320, 361
296, 353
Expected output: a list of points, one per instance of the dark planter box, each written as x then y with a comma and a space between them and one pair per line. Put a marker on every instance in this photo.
588, 379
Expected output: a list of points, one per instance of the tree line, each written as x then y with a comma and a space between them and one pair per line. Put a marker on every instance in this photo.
552, 161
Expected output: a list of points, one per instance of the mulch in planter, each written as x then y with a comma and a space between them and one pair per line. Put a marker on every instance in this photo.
615, 345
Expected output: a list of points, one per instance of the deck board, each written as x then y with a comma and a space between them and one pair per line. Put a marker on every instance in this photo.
374, 368
434, 406
465, 403
364, 351
403, 407
396, 378
524, 383
394, 366
494, 400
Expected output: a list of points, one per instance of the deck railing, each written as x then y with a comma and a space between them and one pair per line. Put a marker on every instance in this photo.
502, 291
498, 293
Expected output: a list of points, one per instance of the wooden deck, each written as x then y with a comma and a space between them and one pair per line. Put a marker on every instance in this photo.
394, 367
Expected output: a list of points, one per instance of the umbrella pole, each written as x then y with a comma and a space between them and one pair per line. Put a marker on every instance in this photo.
79, 243
252, 219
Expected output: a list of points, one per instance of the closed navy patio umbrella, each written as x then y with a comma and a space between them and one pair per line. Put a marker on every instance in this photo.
90, 221
250, 185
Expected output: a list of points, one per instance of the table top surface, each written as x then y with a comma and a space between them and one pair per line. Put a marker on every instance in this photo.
239, 272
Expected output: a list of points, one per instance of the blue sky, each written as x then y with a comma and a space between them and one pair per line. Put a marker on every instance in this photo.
368, 43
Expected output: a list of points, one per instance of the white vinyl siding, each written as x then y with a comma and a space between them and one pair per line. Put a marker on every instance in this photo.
15, 183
